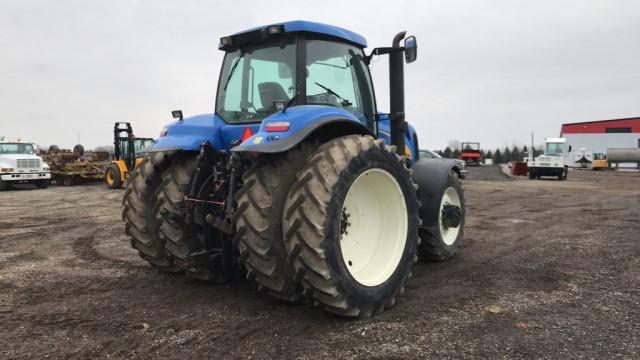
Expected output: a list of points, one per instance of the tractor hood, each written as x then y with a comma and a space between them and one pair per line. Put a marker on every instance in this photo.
188, 134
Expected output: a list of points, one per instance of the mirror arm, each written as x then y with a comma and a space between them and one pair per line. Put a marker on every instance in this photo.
382, 51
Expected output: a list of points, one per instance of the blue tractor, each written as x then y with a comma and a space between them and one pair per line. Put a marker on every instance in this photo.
297, 181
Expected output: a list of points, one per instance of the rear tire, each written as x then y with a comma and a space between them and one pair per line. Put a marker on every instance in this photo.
138, 204
258, 222
67, 180
78, 149
332, 215
43, 184
112, 177
440, 243
181, 238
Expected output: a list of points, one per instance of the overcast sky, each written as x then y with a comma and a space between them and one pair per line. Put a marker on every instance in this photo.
489, 71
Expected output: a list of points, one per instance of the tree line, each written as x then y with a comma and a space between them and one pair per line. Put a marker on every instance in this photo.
499, 155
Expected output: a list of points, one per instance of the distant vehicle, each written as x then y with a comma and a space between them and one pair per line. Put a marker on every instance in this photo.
583, 158
553, 162
128, 154
471, 153
19, 164
460, 166
599, 162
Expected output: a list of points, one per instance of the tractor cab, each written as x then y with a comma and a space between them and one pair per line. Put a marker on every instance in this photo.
270, 70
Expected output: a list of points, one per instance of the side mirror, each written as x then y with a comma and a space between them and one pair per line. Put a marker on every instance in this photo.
410, 49
525, 149
570, 148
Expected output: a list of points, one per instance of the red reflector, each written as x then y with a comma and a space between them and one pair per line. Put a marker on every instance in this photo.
246, 134
277, 126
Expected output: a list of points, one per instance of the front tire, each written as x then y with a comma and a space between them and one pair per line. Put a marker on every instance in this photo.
351, 226
442, 240
112, 177
43, 184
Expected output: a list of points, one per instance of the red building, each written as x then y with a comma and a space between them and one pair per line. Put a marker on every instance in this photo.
598, 136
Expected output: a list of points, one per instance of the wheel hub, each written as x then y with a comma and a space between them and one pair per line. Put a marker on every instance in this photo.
451, 216
344, 223
373, 227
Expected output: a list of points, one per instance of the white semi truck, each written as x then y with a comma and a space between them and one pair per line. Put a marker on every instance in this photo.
19, 164
554, 161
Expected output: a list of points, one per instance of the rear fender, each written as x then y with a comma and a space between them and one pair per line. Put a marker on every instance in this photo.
306, 121
431, 176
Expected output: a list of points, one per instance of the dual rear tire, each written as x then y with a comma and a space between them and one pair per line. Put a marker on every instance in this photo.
335, 223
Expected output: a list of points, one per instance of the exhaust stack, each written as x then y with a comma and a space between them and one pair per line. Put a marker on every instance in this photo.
396, 95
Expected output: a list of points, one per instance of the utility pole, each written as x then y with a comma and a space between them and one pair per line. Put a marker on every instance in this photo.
532, 153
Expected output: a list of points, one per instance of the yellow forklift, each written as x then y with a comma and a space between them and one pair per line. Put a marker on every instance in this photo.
128, 154
599, 162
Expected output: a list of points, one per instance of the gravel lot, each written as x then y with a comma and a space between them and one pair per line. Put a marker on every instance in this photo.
549, 269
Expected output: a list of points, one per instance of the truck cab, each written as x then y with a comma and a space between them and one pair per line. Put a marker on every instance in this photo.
553, 162
19, 164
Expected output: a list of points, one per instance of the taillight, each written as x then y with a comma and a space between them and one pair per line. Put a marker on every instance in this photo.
246, 134
280, 126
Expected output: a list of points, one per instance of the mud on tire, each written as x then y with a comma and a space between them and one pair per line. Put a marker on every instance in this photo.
138, 203
258, 221
314, 220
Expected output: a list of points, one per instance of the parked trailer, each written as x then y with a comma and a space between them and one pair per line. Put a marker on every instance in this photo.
623, 155
80, 172
75, 167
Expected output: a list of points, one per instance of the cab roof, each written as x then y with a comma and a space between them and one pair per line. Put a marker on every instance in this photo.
556, 140
318, 28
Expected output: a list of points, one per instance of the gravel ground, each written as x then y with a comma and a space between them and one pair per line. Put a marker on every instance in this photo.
549, 269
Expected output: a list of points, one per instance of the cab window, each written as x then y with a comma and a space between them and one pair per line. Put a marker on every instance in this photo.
337, 76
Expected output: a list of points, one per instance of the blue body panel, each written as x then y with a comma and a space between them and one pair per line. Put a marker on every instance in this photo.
384, 133
309, 26
189, 133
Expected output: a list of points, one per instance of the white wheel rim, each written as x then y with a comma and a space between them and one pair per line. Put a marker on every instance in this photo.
450, 197
373, 227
